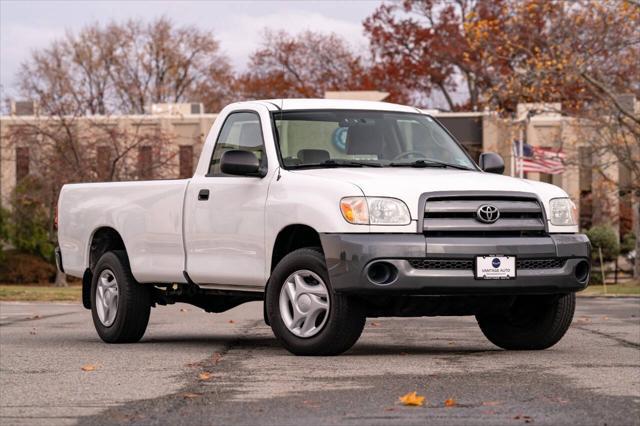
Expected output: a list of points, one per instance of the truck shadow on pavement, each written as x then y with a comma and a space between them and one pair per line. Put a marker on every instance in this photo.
382, 349
360, 349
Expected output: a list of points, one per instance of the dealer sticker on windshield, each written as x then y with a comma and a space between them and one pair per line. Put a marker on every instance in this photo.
495, 267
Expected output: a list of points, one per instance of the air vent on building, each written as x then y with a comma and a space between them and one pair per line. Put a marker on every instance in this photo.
197, 109
176, 109
23, 108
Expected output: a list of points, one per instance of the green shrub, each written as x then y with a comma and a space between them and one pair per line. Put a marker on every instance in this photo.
595, 278
4, 232
29, 221
628, 243
4, 223
604, 237
24, 268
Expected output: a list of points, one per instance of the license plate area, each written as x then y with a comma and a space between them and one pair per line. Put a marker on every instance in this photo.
495, 267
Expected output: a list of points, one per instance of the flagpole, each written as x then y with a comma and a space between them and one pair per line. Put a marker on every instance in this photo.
513, 160
521, 153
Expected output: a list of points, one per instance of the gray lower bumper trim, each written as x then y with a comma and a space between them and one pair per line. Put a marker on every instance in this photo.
349, 255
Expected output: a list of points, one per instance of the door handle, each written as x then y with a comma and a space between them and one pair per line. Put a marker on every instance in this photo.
203, 195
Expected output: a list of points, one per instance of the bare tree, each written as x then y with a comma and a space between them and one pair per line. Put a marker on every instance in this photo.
121, 68
70, 149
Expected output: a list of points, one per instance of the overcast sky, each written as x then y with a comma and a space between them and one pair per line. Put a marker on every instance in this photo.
27, 25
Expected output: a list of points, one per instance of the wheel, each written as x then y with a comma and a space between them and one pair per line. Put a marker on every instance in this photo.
533, 322
120, 306
306, 316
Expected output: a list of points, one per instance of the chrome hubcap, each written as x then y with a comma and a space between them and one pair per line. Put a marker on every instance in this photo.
107, 297
304, 303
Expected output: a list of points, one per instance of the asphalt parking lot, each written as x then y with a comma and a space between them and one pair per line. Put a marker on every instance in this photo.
198, 368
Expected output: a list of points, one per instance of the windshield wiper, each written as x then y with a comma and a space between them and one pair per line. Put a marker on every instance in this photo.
429, 163
338, 163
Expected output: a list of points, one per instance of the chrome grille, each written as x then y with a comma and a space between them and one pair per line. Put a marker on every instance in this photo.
467, 264
456, 216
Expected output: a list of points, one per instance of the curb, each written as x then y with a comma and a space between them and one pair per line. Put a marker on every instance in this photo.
610, 296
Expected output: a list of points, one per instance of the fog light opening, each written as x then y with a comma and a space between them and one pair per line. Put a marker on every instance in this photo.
582, 271
382, 273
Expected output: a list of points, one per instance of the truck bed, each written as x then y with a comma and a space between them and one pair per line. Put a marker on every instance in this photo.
148, 215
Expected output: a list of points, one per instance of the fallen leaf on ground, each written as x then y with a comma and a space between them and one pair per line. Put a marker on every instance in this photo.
205, 375
231, 322
412, 399
450, 402
190, 395
34, 317
389, 409
89, 367
375, 324
216, 357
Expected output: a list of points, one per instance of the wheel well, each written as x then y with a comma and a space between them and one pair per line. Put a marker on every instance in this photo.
292, 238
104, 240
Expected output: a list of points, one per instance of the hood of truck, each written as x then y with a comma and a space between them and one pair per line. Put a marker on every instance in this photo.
408, 183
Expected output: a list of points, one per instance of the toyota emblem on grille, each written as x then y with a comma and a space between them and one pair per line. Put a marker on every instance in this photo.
487, 213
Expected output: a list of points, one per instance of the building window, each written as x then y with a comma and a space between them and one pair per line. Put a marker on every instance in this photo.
22, 163
145, 166
103, 163
186, 161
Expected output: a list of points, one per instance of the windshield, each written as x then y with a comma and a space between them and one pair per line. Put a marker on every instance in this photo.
357, 138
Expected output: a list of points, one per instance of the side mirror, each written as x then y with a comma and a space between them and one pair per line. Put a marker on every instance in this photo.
241, 163
491, 162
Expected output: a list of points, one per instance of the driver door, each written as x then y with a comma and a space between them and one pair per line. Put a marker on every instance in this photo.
224, 214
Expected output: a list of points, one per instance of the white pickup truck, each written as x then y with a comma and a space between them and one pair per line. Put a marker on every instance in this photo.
331, 212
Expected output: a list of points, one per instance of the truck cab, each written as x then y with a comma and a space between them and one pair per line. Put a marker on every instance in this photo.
330, 212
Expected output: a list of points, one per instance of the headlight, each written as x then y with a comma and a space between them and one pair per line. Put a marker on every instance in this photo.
375, 211
563, 212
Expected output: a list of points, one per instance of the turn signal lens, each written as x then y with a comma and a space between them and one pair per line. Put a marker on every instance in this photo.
354, 210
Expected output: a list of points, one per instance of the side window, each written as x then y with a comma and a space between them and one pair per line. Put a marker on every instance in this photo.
241, 130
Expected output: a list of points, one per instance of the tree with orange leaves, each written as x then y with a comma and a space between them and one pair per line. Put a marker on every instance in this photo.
303, 65
501, 53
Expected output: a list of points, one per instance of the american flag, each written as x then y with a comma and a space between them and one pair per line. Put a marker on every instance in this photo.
538, 159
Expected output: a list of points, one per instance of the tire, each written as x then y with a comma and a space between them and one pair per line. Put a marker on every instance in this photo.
129, 322
335, 331
533, 322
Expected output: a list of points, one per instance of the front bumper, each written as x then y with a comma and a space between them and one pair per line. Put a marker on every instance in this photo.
349, 257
